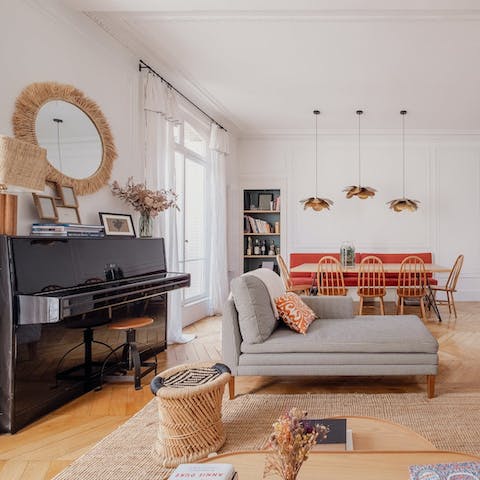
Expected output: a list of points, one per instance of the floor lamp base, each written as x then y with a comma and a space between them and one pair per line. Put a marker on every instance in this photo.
8, 214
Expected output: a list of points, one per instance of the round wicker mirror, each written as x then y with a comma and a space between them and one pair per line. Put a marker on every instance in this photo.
73, 129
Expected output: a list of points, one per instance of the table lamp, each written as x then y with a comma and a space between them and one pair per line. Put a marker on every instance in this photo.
23, 168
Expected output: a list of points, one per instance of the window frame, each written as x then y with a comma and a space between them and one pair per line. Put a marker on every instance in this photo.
187, 154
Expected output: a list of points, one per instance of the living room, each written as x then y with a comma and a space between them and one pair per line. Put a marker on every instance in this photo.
239, 140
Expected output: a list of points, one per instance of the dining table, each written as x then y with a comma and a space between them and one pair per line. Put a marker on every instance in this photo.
430, 268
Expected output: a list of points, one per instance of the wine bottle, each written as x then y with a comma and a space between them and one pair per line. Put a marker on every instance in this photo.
256, 249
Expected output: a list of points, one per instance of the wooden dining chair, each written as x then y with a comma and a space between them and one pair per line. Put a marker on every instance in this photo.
450, 287
371, 281
412, 282
303, 288
330, 279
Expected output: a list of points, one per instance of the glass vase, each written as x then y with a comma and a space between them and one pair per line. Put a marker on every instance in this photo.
145, 226
347, 254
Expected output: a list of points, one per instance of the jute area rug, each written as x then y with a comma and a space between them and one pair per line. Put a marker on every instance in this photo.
450, 421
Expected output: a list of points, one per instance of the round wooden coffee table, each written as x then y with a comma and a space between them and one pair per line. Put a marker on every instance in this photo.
382, 449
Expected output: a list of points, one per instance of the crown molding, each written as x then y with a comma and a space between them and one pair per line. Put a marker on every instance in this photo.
301, 134
128, 36
304, 15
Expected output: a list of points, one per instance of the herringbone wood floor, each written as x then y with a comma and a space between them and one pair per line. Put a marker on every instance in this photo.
43, 449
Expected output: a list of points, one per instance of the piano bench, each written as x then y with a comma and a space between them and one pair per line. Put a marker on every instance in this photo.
130, 354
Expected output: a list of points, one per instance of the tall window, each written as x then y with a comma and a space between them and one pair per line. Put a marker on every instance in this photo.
191, 162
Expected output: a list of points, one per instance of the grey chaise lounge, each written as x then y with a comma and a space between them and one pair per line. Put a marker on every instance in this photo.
338, 343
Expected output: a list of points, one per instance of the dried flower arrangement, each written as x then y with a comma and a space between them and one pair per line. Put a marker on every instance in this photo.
291, 443
147, 202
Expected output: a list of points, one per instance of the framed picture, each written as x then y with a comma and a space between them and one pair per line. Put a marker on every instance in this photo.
46, 208
117, 224
264, 201
51, 189
68, 214
67, 194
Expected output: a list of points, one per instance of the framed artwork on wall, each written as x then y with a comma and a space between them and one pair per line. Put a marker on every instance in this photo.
117, 224
264, 201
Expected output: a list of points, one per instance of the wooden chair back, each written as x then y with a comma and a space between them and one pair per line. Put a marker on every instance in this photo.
330, 279
412, 278
371, 277
284, 273
454, 274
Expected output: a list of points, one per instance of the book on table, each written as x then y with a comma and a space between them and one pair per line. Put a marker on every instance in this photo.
339, 437
446, 471
204, 471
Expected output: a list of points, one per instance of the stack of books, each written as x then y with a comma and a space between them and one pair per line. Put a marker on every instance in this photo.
204, 471
255, 225
67, 230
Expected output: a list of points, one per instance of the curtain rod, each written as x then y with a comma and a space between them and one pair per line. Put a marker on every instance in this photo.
142, 65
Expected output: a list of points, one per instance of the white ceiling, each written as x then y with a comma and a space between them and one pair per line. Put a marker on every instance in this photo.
264, 65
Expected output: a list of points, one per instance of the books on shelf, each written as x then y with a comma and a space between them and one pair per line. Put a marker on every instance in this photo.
339, 437
204, 471
446, 471
67, 230
256, 225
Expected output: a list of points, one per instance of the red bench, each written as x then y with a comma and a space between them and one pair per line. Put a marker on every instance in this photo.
351, 279
302, 278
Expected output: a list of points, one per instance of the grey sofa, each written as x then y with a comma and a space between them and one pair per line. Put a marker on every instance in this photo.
337, 343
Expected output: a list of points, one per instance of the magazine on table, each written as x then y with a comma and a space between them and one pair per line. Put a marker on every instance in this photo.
204, 471
446, 471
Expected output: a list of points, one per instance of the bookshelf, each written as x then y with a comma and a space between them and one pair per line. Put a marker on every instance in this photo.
261, 224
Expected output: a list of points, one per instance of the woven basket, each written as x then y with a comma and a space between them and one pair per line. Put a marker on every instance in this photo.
190, 419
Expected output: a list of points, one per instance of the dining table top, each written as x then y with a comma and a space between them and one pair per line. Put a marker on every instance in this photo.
388, 268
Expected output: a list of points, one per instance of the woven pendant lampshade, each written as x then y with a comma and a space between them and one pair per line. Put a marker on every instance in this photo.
359, 191
23, 167
316, 203
403, 204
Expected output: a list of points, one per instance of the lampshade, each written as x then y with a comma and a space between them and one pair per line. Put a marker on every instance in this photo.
23, 166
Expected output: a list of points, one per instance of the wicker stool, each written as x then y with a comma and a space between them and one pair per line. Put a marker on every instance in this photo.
190, 412
130, 355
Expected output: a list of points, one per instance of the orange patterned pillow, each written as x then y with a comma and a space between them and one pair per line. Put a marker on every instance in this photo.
294, 312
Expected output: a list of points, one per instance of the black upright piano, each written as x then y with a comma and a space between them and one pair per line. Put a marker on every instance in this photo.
55, 291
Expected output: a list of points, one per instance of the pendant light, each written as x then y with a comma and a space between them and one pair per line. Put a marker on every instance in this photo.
404, 203
358, 190
316, 203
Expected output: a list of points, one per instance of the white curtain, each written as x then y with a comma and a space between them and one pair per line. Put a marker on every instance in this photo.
161, 109
219, 146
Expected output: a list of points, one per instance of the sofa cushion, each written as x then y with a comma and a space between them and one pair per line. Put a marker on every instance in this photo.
255, 314
362, 334
273, 282
326, 306
297, 315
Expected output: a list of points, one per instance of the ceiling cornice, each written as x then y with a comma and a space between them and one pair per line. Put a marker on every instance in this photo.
124, 33
303, 15
302, 134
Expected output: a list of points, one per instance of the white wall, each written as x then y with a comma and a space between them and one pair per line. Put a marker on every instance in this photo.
43, 41
443, 172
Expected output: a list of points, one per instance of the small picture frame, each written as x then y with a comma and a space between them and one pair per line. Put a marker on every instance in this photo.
68, 214
51, 189
68, 196
46, 208
264, 200
117, 224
